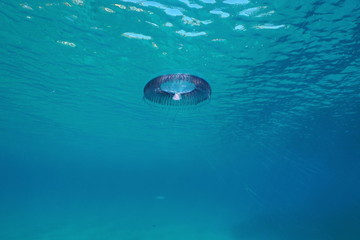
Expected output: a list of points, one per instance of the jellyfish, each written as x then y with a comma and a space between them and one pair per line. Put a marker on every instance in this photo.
178, 89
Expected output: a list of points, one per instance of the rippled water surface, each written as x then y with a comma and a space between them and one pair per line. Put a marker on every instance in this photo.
275, 153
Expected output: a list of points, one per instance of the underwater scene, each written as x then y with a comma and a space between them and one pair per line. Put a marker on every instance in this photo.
179, 120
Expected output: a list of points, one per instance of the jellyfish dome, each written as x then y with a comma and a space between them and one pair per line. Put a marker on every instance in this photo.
178, 89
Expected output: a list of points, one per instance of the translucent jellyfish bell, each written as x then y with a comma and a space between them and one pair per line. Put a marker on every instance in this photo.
177, 89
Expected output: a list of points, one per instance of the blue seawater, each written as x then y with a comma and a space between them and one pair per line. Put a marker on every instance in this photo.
274, 155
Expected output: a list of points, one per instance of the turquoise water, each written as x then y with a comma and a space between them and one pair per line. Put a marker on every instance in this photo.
274, 155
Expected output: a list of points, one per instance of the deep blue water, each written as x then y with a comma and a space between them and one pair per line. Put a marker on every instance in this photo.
274, 155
